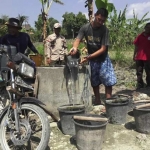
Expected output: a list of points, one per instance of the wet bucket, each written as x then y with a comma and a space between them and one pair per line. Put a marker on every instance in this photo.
142, 118
66, 113
90, 131
116, 110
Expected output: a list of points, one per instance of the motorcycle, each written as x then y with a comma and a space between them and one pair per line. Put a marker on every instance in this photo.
23, 122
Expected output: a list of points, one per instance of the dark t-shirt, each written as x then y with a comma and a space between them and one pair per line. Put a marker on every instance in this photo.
95, 37
21, 42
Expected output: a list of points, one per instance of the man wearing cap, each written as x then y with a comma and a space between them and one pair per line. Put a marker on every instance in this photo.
16, 38
56, 47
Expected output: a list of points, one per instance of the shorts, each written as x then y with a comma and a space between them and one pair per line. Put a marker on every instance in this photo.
102, 73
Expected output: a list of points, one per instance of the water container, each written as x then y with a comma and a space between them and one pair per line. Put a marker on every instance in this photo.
142, 118
116, 111
90, 134
66, 117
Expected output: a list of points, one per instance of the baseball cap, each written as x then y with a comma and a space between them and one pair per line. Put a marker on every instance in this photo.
57, 25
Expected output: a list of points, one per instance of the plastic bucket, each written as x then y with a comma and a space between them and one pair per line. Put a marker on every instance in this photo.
66, 117
90, 134
117, 111
142, 119
38, 59
137, 103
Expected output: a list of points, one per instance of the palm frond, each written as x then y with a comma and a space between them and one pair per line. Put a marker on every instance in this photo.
59, 2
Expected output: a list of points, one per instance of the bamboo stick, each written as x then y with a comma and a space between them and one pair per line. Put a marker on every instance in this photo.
72, 106
141, 106
142, 101
116, 100
123, 95
90, 118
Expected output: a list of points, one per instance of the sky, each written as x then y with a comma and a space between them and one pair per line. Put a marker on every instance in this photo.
32, 8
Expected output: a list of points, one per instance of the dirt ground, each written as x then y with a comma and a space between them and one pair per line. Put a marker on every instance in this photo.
117, 137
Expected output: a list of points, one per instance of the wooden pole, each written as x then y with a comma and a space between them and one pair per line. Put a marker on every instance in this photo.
90, 118
142, 106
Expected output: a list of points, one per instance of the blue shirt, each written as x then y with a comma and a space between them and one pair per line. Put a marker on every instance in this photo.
22, 41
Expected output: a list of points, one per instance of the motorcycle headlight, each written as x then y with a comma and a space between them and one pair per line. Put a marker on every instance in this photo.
26, 70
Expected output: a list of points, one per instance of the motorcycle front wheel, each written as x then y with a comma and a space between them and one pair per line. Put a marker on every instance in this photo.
34, 130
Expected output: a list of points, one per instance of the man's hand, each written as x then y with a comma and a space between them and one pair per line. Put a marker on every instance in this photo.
73, 51
48, 60
83, 60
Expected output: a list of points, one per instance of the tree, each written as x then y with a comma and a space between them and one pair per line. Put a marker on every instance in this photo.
72, 23
46, 4
22, 19
38, 27
89, 4
123, 31
51, 22
3, 29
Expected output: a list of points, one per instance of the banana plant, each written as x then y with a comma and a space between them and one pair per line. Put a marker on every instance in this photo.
46, 4
105, 4
89, 4
22, 19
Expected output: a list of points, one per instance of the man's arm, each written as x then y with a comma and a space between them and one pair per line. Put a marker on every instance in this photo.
74, 49
136, 42
77, 41
135, 52
31, 46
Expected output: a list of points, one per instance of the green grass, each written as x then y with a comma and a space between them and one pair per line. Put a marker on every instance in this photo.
119, 57
39, 46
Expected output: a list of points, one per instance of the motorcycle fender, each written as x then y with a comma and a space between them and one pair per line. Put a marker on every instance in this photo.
31, 100
40, 104
23, 100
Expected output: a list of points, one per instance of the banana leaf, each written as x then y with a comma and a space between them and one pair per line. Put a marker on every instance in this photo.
105, 4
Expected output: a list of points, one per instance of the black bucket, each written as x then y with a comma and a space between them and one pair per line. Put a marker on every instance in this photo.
137, 103
116, 111
73, 60
66, 117
90, 134
142, 119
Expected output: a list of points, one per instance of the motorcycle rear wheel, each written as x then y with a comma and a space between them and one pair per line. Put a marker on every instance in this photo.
35, 115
